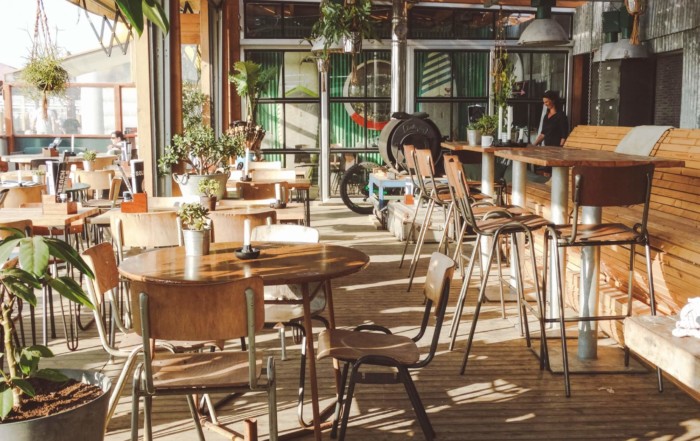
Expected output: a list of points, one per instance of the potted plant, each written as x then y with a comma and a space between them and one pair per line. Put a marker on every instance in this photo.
209, 188
206, 155
249, 80
24, 380
488, 125
44, 73
89, 157
474, 134
195, 225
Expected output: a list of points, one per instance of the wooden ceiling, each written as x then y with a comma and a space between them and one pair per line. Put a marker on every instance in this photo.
519, 3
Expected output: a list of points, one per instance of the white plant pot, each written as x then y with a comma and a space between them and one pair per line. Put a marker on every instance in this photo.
196, 242
474, 137
189, 183
87, 165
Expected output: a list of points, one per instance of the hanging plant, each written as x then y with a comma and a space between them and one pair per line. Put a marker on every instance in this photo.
503, 71
134, 11
43, 70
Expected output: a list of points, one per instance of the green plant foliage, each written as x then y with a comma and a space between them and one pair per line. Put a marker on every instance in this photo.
45, 76
201, 149
208, 187
19, 282
249, 80
89, 155
193, 216
503, 79
134, 11
193, 100
339, 21
487, 124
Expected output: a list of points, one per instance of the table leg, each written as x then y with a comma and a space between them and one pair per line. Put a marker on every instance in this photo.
488, 167
590, 264
311, 359
518, 198
559, 215
307, 207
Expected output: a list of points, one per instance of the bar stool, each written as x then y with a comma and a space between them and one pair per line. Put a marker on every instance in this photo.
492, 226
436, 194
603, 187
409, 153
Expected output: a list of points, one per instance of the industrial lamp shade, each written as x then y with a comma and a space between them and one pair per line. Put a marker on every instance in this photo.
624, 49
318, 46
543, 32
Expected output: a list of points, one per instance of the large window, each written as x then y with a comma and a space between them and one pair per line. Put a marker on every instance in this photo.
289, 107
449, 84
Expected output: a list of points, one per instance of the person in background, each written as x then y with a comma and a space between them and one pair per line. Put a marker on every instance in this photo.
117, 145
555, 126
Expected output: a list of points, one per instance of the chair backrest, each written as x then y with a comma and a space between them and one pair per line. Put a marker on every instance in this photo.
409, 152
284, 233
114, 189
264, 190
591, 185
102, 162
24, 225
459, 188
279, 175
20, 195
145, 230
3, 195
100, 258
169, 202
264, 165
437, 292
99, 180
227, 225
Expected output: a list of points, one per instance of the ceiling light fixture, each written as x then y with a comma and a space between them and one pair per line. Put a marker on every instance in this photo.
543, 31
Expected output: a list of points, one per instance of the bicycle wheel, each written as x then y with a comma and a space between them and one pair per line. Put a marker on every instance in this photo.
354, 188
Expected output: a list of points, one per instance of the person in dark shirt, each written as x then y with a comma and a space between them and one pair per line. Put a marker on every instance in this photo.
555, 127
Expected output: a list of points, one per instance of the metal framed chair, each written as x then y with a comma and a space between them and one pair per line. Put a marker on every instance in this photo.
357, 349
494, 226
200, 312
592, 188
131, 231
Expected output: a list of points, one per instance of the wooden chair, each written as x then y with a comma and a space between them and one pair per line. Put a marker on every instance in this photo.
227, 226
102, 162
200, 312
273, 175
21, 195
144, 230
264, 165
104, 294
357, 348
603, 187
257, 191
3, 195
100, 182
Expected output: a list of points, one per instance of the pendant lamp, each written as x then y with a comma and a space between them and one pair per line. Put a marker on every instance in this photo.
543, 31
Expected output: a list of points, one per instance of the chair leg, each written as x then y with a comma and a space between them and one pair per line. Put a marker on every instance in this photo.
339, 402
652, 303
411, 230
347, 403
542, 304
562, 323
119, 385
418, 407
272, 398
479, 301
135, 397
283, 346
520, 290
500, 283
419, 243
463, 293
444, 237
195, 417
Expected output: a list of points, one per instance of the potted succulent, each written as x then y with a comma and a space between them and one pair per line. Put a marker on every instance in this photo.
195, 225
488, 125
208, 188
39, 176
89, 157
249, 80
206, 155
20, 276
474, 134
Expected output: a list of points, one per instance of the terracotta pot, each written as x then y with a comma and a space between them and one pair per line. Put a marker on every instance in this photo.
208, 202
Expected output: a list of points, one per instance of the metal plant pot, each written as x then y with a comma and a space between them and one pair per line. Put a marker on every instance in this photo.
189, 183
474, 137
196, 242
84, 423
208, 202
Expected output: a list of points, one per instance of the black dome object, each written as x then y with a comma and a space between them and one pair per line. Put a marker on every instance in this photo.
413, 129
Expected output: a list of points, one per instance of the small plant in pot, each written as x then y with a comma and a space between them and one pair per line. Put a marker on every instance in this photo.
206, 155
39, 176
474, 134
89, 157
196, 230
24, 382
488, 125
209, 188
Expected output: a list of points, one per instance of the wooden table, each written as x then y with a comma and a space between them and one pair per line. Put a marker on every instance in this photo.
561, 159
25, 160
278, 264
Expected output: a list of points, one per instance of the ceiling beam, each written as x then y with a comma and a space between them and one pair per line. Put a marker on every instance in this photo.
518, 3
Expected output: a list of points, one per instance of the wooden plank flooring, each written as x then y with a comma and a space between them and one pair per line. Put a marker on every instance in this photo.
502, 396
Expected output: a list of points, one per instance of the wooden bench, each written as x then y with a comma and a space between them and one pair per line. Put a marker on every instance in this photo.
650, 337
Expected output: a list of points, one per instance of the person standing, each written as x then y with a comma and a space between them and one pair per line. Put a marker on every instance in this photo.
555, 125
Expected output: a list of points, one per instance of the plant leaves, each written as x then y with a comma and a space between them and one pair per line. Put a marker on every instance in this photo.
70, 289
34, 255
24, 386
51, 375
155, 13
38, 351
62, 250
8, 245
6, 400
21, 284
133, 12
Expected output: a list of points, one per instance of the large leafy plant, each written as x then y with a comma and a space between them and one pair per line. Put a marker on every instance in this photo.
249, 80
201, 149
135, 10
19, 278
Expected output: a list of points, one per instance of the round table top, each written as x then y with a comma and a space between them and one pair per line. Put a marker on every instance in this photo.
278, 264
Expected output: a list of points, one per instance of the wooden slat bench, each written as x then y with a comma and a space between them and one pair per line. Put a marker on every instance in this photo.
650, 337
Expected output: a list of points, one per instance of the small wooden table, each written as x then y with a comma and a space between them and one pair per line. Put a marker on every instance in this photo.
25, 160
278, 264
561, 159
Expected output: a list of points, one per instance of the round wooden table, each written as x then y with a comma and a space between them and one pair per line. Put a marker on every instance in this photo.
278, 264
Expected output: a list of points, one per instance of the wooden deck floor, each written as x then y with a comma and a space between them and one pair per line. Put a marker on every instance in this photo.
502, 396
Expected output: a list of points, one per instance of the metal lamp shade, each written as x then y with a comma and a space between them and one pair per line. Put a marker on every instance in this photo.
603, 54
625, 49
334, 47
543, 32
